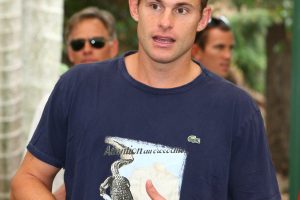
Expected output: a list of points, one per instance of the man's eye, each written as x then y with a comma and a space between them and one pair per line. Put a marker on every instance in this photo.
219, 47
155, 6
182, 11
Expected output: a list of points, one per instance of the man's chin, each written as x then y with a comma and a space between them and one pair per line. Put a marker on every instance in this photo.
88, 61
224, 72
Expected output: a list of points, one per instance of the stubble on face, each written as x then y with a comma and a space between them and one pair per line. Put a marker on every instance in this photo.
165, 35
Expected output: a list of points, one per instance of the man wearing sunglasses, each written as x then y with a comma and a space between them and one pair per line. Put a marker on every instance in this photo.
151, 114
91, 36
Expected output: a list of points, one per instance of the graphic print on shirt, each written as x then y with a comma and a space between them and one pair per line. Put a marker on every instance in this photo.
119, 185
140, 161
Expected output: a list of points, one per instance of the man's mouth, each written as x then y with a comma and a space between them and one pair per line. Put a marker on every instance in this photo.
225, 65
163, 40
89, 60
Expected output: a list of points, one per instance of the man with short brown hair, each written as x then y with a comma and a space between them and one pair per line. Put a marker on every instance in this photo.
213, 46
151, 116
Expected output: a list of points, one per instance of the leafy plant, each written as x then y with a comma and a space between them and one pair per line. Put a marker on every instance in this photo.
249, 55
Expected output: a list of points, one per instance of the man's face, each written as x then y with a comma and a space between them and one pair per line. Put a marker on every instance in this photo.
217, 53
167, 28
87, 29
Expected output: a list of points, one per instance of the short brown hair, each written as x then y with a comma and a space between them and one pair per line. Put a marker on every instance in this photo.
214, 23
203, 4
104, 16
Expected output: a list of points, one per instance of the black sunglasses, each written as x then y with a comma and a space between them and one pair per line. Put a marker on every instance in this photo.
95, 42
218, 21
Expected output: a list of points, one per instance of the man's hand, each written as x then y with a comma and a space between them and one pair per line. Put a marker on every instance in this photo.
152, 192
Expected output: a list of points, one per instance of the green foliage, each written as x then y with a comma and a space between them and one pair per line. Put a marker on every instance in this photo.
243, 3
280, 10
250, 24
249, 55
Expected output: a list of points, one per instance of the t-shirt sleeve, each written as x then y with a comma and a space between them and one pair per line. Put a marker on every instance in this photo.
49, 140
252, 175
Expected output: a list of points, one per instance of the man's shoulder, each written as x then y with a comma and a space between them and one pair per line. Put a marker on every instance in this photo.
227, 92
91, 71
223, 87
94, 68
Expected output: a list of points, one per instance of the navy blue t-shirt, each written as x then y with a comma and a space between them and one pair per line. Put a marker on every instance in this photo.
201, 141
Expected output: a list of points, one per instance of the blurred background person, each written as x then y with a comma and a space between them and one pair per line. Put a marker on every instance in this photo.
90, 36
213, 47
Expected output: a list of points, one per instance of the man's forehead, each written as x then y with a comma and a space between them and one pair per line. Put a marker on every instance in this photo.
192, 2
217, 35
92, 23
89, 27
219, 31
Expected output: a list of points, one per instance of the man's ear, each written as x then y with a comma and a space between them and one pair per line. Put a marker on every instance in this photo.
133, 7
206, 14
114, 50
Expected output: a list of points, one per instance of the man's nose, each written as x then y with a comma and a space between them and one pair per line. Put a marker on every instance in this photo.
166, 20
87, 47
227, 54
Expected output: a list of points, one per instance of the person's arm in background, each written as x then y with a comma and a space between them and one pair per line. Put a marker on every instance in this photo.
33, 180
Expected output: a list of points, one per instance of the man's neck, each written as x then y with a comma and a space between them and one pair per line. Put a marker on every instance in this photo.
161, 75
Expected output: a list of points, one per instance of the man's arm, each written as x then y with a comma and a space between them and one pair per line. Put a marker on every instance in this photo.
33, 180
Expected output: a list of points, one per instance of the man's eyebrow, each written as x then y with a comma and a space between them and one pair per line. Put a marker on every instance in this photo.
177, 4
183, 4
158, 1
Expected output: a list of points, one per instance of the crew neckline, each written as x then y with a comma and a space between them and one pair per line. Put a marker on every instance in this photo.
122, 68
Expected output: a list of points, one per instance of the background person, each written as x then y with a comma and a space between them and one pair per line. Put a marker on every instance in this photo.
91, 36
213, 47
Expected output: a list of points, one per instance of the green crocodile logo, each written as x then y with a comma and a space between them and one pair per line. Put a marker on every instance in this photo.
193, 139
